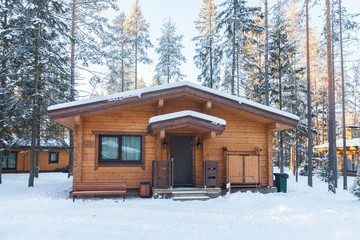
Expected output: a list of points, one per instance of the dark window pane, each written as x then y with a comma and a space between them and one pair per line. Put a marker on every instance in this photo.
4, 161
9, 161
131, 148
109, 148
53, 157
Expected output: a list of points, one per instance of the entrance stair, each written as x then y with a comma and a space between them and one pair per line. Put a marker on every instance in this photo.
187, 194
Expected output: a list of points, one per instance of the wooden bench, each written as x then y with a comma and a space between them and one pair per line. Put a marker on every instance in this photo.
98, 188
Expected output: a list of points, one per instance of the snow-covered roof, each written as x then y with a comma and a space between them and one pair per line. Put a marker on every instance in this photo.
355, 142
139, 92
353, 126
48, 143
168, 116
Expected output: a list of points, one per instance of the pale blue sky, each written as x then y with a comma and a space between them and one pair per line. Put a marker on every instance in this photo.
184, 13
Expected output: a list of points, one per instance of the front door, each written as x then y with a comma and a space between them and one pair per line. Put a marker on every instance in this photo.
181, 154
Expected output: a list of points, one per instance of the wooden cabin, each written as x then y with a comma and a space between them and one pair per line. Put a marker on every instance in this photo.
179, 134
352, 154
53, 157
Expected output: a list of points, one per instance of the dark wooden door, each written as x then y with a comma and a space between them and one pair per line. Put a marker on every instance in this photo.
181, 154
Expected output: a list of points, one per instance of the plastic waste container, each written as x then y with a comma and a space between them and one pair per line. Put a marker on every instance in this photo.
145, 189
281, 181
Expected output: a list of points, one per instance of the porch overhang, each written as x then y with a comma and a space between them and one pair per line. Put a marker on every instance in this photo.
186, 121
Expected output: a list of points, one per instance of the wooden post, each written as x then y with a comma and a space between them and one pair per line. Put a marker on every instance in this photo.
78, 156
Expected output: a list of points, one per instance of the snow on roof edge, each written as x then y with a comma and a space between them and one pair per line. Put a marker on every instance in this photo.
138, 92
209, 118
355, 142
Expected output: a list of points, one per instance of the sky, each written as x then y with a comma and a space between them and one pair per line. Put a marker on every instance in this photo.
184, 13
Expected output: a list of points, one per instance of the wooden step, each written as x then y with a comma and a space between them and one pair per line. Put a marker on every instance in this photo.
191, 198
189, 193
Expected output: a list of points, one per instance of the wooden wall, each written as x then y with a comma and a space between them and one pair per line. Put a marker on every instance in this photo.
241, 134
23, 160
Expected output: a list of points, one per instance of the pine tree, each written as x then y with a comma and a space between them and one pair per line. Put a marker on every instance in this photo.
86, 23
208, 52
239, 24
8, 34
331, 106
169, 50
43, 73
118, 51
280, 48
138, 30
253, 83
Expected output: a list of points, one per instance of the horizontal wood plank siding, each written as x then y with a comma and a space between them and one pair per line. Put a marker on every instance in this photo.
23, 160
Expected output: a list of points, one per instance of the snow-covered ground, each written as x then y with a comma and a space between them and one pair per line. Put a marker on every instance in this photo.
46, 212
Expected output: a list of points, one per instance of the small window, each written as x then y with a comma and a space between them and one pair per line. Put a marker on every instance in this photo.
53, 157
9, 161
120, 149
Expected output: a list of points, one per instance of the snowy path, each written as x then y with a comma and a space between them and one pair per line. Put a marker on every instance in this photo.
45, 212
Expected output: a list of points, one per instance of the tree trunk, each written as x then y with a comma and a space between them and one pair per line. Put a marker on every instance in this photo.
343, 102
3, 86
355, 97
168, 65
211, 64
37, 160
266, 55
237, 75
296, 134
136, 46
135, 65
35, 111
331, 97
323, 116
72, 83
316, 113
211, 56
310, 140
281, 158
233, 46
334, 86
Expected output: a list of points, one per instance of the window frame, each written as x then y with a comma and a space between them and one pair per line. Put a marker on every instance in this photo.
57, 158
7, 164
118, 162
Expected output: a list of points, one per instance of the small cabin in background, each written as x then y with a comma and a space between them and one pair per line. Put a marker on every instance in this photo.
175, 135
352, 154
53, 156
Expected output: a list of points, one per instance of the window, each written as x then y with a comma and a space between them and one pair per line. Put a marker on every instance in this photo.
125, 149
53, 157
9, 161
119, 149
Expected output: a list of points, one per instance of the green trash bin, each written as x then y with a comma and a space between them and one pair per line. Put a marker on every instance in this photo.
281, 181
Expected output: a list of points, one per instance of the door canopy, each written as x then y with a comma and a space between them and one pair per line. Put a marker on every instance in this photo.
186, 121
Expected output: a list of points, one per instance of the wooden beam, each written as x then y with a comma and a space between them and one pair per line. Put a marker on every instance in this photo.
273, 126
78, 120
159, 106
160, 103
207, 106
162, 134
209, 135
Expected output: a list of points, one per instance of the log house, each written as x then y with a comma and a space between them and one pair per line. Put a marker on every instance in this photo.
179, 134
